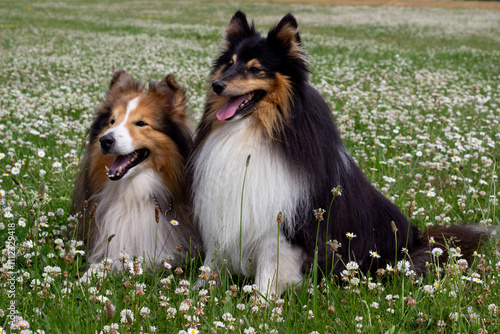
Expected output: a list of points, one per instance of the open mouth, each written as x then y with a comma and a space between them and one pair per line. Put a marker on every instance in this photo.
239, 104
123, 163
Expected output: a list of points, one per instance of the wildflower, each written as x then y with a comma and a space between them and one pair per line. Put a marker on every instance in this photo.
472, 315
15, 171
429, 289
41, 153
455, 252
431, 241
493, 309
249, 330
23, 324
57, 165
219, 324
247, 289
374, 305
389, 179
403, 266
184, 306
9, 214
350, 235
319, 214
337, 191
374, 255
193, 331
102, 299
174, 222
126, 316
437, 252
228, 317
144, 312
354, 281
167, 265
352, 265
171, 312
410, 301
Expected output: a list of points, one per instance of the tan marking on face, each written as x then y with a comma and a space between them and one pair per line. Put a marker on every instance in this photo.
253, 63
268, 115
164, 158
240, 86
268, 118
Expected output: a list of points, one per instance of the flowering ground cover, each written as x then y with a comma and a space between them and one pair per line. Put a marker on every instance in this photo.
415, 94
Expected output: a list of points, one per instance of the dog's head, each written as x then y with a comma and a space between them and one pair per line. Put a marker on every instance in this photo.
142, 128
256, 73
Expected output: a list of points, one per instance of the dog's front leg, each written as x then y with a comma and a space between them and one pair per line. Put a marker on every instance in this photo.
276, 267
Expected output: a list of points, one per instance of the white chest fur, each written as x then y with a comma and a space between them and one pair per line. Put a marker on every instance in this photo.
126, 209
270, 187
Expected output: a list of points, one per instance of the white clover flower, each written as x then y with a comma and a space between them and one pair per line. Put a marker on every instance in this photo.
171, 312
352, 265
144, 312
247, 289
249, 330
228, 317
429, 289
126, 316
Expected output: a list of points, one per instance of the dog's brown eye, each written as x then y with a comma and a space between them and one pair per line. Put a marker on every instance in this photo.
112, 122
141, 123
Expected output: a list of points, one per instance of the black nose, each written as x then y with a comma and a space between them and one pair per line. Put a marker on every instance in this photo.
218, 86
107, 141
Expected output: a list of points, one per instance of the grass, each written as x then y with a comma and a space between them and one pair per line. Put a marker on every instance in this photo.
415, 97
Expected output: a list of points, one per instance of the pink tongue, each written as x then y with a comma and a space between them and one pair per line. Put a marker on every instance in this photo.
121, 160
229, 109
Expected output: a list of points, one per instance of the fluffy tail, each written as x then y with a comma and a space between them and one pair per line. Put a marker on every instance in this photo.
456, 240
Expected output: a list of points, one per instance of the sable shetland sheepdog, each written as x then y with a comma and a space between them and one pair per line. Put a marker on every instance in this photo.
133, 172
261, 105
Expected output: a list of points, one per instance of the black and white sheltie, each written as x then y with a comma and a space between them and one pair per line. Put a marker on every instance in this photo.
131, 182
261, 105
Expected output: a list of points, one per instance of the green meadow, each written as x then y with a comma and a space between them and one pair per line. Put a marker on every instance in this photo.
415, 96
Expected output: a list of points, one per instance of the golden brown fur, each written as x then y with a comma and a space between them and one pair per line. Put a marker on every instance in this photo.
167, 137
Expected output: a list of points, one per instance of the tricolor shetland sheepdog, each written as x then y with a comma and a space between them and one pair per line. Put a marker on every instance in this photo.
131, 182
261, 105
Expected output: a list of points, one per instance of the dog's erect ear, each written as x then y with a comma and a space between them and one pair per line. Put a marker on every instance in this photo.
121, 81
286, 34
169, 90
237, 29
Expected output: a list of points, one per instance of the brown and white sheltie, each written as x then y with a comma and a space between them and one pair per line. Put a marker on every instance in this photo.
131, 180
261, 105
